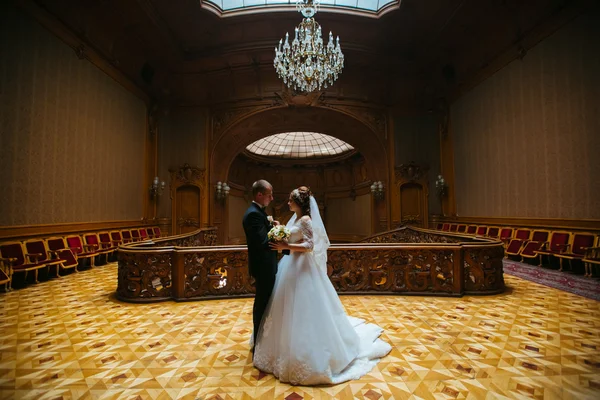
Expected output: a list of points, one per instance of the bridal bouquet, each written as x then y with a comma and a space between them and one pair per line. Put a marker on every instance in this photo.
278, 233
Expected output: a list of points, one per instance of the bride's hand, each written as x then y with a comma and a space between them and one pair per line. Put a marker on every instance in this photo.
275, 223
278, 245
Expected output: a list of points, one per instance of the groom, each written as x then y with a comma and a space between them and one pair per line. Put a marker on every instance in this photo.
262, 261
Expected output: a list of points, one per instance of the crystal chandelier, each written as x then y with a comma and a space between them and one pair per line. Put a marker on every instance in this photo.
307, 64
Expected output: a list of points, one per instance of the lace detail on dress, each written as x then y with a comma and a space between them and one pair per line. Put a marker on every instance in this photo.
307, 233
267, 326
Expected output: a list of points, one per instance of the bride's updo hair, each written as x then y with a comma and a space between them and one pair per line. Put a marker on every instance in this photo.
301, 197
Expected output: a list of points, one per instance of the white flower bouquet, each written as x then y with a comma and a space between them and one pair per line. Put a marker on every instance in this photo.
278, 233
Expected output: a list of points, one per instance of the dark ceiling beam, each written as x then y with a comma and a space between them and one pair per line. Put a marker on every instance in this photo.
162, 27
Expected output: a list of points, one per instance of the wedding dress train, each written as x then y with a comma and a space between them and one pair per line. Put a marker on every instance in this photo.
306, 338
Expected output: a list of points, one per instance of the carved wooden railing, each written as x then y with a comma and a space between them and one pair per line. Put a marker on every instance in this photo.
403, 261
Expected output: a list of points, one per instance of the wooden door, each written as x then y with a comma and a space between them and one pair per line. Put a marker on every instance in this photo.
412, 204
187, 209
187, 186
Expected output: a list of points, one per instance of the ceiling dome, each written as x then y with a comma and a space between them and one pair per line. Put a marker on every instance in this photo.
299, 145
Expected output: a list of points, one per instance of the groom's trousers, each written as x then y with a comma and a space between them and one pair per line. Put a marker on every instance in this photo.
264, 288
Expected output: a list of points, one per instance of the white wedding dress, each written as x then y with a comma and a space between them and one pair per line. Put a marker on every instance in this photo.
306, 338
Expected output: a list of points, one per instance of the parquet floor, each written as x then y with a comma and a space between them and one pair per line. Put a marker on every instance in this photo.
70, 338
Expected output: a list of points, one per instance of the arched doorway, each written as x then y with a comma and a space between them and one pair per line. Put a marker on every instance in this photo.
232, 141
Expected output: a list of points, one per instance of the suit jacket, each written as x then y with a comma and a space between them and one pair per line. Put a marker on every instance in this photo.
262, 261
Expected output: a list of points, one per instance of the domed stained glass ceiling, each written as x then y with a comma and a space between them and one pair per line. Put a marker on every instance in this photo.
371, 8
299, 145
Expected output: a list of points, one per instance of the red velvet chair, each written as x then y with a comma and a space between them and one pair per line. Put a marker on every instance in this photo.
472, 229
453, 228
5, 274
559, 242
143, 234
506, 234
481, 230
576, 249
126, 235
135, 235
150, 233
538, 239
116, 237
58, 250
439, 226
108, 245
157, 232
14, 254
39, 248
591, 259
446, 227
516, 244
461, 229
91, 238
81, 250
493, 232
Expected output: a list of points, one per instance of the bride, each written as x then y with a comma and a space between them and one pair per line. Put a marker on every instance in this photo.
306, 338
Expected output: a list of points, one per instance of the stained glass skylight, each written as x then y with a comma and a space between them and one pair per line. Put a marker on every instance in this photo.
299, 145
372, 7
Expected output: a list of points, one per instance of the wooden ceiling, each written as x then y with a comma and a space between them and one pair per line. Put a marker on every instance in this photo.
182, 54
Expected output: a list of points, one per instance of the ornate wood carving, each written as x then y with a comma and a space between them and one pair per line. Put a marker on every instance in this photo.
144, 276
410, 172
411, 235
450, 265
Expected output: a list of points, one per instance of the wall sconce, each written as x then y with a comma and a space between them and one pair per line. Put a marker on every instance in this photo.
377, 190
440, 186
222, 190
156, 188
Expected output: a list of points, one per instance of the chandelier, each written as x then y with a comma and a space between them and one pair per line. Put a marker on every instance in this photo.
307, 64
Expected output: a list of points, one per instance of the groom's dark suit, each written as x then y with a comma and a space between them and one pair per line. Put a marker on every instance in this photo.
262, 261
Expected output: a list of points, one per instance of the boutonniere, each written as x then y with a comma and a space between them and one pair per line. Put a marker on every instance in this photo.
270, 219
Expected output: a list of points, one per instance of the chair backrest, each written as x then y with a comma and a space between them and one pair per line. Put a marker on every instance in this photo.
581, 241
55, 243
156, 231
438, 226
105, 238
126, 234
13, 250
143, 233
523, 234
135, 234
506, 233
559, 240
472, 229
481, 230
91, 238
446, 227
461, 228
75, 244
514, 246
37, 246
453, 227
493, 231
116, 236
540, 236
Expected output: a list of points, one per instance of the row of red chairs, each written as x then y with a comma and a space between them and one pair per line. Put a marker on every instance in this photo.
60, 253
535, 244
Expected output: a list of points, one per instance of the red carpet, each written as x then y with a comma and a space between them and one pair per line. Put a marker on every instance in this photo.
586, 287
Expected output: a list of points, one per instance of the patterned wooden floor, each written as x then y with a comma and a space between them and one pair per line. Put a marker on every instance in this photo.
70, 337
